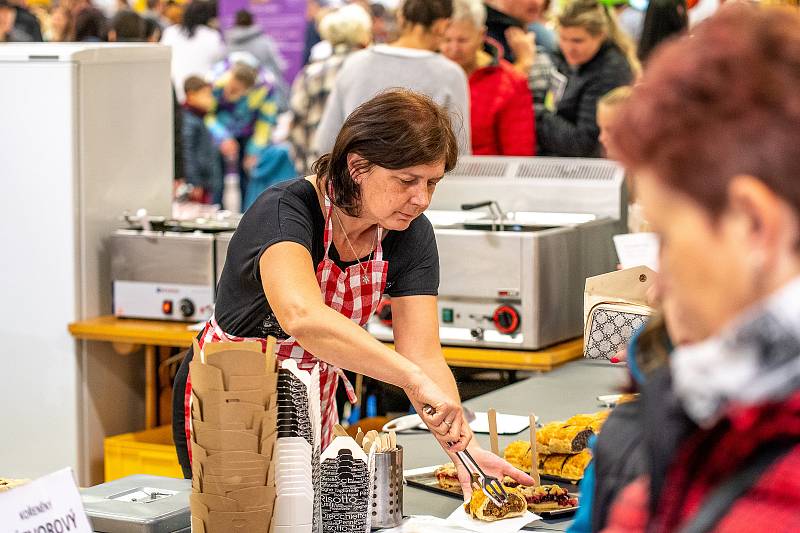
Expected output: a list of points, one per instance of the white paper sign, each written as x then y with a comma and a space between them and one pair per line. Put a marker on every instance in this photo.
50, 504
637, 249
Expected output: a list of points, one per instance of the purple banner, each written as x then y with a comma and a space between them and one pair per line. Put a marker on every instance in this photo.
283, 20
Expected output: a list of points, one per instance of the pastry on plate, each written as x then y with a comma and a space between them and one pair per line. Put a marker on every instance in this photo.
569, 439
447, 476
550, 465
518, 453
480, 507
546, 498
574, 465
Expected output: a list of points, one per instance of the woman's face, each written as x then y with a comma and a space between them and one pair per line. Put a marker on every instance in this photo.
462, 40
578, 45
393, 198
713, 268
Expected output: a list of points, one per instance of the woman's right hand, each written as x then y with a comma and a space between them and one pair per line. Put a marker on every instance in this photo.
443, 416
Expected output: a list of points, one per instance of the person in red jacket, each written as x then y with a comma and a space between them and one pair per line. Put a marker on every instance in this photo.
711, 135
501, 107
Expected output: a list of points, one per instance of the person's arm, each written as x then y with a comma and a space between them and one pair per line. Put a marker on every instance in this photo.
523, 46
515, 123
266, 119
332, 119
415, 323
190, 141
218, 130
287, 275
562, 137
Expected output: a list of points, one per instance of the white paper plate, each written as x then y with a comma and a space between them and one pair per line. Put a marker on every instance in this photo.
460, 518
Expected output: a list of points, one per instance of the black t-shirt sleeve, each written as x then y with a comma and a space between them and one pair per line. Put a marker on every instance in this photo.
290, 219
414, 262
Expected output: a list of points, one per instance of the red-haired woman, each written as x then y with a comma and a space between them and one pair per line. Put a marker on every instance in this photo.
712, 134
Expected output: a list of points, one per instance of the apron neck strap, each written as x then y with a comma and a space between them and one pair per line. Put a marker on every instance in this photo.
327, 238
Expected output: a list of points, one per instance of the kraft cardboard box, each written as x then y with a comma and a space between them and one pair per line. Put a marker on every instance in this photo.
234, 412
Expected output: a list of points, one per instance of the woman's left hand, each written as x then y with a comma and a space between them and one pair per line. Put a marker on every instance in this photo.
491, 465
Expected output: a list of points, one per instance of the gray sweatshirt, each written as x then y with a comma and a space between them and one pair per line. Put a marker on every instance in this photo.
380, 67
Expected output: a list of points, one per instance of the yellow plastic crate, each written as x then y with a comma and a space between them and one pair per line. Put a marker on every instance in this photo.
151, 451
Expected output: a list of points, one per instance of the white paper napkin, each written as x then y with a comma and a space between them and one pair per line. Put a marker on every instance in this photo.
425, 524
508, 525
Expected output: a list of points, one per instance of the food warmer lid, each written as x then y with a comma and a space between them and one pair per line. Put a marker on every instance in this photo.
139, 504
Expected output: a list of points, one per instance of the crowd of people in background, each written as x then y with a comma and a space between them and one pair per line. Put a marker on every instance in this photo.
520, 77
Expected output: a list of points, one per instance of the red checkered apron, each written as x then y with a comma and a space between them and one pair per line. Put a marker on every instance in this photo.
354, 292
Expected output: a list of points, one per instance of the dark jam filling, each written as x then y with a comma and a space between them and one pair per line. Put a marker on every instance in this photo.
560, 496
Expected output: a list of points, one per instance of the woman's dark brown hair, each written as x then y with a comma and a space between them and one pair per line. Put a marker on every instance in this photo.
720, 103
396, 129
426, 12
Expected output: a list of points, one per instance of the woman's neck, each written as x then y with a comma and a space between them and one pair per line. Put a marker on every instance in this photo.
418, 38
354, 227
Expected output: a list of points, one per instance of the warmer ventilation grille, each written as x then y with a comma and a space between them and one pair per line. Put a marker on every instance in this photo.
566, 171
480, 169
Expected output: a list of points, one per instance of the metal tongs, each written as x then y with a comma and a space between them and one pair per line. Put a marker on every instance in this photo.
490, 485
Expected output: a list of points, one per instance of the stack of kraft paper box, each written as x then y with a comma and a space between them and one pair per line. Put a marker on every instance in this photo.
234, 428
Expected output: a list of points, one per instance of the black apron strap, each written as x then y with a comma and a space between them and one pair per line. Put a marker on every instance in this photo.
719, 502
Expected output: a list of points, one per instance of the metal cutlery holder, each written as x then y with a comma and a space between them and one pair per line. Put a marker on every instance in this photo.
387, 499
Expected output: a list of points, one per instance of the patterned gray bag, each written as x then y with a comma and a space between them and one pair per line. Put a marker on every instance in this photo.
615, 307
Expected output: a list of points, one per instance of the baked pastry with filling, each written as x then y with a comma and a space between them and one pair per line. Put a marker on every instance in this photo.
569, 439
447, 476
518, 453
575, 465
480, 507
548, 498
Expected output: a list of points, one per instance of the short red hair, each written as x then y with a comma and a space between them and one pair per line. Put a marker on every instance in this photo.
722, 102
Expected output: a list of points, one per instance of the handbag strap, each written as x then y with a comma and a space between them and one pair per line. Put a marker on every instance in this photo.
719, 502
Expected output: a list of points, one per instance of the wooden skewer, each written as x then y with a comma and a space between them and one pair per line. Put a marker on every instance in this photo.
366, 444
492, 414
534, 452
269, 353
360, 437
393, 439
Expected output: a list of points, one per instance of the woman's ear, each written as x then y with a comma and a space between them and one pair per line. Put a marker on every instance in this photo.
355, 167
767, 224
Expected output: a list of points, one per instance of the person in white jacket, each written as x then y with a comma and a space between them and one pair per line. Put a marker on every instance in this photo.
195, 46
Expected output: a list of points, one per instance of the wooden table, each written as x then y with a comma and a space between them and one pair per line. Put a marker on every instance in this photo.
127, 332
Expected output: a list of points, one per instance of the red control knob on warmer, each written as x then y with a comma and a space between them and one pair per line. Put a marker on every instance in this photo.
506, 319
385, 312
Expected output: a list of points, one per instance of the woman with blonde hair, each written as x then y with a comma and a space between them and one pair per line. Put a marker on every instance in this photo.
596, 57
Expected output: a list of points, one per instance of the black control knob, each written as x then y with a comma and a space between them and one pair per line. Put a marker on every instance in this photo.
385, 312
477, 333
506, 319
187, 307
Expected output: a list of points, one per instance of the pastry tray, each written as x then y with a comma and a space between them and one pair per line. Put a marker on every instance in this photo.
425, 478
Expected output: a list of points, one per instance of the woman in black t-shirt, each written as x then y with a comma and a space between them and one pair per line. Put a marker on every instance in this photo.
311, 258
